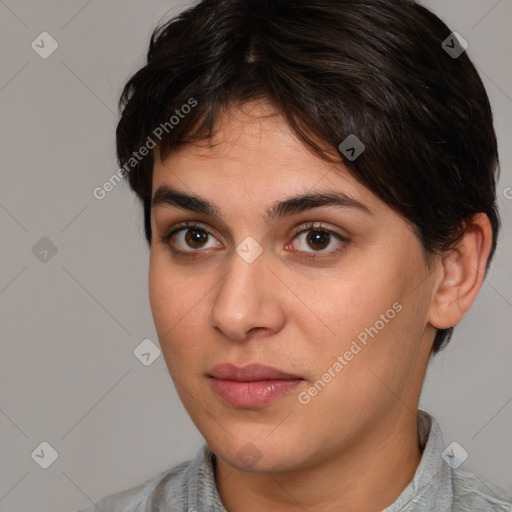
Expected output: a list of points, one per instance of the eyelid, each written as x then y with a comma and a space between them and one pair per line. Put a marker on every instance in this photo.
302, 228
182, 225
320, 226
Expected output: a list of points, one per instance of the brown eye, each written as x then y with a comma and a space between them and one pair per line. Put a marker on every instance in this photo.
318, 240
189, 237
195, 238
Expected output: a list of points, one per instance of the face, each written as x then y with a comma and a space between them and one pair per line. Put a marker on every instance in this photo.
337, 296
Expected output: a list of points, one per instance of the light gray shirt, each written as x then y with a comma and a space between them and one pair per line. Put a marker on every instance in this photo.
440, 484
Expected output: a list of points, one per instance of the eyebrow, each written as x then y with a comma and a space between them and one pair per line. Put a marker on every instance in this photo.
167, 196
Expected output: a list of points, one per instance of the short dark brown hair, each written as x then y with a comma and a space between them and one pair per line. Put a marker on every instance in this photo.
375, 69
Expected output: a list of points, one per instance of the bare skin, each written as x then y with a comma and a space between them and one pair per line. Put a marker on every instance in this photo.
353, 446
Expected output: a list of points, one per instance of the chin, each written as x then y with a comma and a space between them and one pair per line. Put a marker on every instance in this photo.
258, 455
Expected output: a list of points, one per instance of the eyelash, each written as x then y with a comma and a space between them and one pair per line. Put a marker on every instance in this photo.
309, 226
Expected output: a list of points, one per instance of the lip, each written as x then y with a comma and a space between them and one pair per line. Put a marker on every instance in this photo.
249, 373
253, 385
254, 393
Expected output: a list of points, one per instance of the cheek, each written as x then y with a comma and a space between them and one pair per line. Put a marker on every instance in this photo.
178, 301
368, 317
345, 306
161, 297
376, 366
171, 295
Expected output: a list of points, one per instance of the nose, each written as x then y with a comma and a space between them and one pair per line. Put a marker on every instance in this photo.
248, 299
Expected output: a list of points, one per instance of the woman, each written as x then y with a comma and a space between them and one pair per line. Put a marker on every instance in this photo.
318, 182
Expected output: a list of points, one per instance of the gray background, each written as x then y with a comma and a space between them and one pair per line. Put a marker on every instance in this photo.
69, 325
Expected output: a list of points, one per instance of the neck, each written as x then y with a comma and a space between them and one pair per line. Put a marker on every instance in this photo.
369, 475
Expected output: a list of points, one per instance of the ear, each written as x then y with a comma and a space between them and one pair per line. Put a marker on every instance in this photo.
462, 273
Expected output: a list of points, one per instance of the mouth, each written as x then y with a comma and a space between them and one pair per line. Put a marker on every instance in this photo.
250, 386
249, 373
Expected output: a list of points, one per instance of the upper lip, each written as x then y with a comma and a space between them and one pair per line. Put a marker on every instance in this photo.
251, 372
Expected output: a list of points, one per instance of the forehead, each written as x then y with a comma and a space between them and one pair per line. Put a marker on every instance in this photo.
254, 152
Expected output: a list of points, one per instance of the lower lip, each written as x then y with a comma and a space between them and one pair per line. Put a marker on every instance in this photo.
252, 394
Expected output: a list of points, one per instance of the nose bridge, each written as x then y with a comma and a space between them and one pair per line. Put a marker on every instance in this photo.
244, 297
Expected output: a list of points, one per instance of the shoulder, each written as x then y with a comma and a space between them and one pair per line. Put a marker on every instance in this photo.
166, 487
473, 493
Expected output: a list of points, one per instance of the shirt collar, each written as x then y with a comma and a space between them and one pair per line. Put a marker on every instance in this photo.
431, 486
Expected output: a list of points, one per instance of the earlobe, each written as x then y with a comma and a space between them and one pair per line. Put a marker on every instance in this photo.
463, 272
